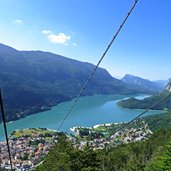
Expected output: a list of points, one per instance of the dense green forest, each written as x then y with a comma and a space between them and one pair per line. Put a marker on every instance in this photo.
153, 154
159, 121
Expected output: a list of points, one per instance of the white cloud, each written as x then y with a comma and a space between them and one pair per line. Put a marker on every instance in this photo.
18, 21
74, 44
60, 38
46, 32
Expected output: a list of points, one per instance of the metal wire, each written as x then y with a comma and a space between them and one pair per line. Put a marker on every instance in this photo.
124, 126
5, 128
95, 68
151, 107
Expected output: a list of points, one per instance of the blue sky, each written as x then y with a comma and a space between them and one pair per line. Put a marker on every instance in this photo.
82, 29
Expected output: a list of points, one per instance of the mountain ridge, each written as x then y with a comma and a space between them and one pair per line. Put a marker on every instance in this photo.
141, 82
33, 81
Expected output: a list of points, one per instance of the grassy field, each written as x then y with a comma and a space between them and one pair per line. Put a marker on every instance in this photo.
30, 132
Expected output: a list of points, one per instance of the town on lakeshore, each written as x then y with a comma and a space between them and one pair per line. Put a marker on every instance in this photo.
28, 147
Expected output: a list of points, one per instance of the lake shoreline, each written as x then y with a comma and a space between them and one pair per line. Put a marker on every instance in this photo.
49, 107
90, 110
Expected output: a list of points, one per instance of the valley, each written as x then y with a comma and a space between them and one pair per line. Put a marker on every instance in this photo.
35, 81
39, 100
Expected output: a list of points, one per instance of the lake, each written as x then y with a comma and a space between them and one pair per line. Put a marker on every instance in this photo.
89, 111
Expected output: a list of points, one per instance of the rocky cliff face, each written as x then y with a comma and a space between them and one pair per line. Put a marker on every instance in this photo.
168, 86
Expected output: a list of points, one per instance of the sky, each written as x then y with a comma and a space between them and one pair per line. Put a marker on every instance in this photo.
82, 30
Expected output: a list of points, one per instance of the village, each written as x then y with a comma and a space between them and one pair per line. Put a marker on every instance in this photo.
106, 135
28, 147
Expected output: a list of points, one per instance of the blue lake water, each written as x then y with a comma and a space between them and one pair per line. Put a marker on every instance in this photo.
89, 111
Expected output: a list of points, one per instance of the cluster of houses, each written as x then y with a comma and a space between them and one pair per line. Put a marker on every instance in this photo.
26, 151
131, 135
124, 136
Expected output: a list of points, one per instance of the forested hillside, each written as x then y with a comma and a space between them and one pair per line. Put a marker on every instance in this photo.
134, 103
33, 81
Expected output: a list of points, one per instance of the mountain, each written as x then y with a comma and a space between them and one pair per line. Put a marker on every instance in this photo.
141, 83
33, 81
134, 103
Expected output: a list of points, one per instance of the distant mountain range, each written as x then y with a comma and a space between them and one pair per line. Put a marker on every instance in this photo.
161, 83
33, 81
134, 103
143, 83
